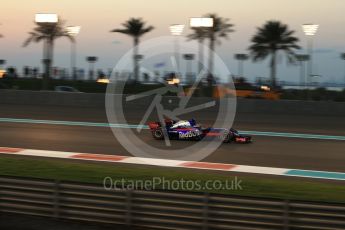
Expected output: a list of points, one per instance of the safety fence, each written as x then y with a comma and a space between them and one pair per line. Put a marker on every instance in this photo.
163, 209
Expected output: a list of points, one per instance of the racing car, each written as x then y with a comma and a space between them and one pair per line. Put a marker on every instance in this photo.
190, 130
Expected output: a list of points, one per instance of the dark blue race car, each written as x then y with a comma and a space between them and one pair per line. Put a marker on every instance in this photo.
190, 130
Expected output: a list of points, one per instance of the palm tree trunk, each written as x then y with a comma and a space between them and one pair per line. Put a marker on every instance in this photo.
273, 69
240, 68
136, 59
47, 63
210, 77
50, 64
201, 55
211, 55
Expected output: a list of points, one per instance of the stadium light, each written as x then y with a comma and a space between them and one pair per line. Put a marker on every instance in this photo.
73, 31
176, 29
49, 19
46, 18
310, 30
201, 22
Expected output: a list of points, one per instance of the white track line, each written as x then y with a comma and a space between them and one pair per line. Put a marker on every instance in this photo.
176, 163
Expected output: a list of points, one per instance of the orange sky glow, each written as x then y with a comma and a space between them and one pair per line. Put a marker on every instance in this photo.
97, 18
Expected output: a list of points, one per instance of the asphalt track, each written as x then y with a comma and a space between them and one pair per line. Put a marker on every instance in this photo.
270, 151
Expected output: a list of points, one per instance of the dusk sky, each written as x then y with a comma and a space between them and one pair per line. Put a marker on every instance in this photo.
97, 18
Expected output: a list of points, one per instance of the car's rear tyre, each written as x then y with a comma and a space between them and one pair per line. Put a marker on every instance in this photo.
158, 134
197, 138
227, 138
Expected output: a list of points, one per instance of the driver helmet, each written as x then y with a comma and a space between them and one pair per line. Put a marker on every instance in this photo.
192, 122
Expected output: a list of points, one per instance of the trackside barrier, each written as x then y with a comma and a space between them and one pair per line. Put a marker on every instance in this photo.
94, 100
163, 209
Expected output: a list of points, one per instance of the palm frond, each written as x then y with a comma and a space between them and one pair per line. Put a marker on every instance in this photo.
146, 30
198, 33
134, 27
123, 31
221, 28
27, 41
47, 31
273, 36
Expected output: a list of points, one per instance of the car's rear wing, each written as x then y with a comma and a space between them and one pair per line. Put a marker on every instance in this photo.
154, 125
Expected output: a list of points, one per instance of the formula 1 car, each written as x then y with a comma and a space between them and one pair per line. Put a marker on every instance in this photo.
190, 130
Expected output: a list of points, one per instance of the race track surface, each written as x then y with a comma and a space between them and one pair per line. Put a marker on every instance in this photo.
285, 152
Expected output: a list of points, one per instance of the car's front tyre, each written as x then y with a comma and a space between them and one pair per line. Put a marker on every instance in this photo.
158, 134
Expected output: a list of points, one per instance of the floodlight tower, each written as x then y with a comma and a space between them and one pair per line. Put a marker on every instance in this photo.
310, 30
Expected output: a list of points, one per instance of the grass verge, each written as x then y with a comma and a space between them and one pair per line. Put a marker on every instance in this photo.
286, 188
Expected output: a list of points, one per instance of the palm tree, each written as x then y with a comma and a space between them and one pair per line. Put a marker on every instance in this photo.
221, 28
135, 27
199, 34
47, 32
272, 37
241, 58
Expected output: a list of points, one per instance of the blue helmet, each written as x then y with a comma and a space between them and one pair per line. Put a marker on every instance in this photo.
192, 122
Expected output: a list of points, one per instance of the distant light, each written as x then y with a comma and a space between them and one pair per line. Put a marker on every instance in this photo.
103, 80
174, 81
201, 22
265, 88
310, 29
46, 18
176, 29
2, 73
73, 30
